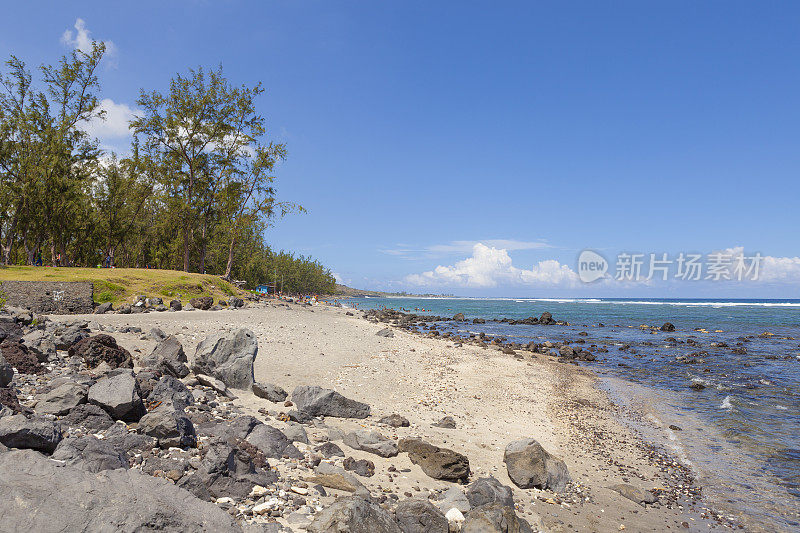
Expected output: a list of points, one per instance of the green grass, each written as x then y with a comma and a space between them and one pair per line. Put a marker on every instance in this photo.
122, 285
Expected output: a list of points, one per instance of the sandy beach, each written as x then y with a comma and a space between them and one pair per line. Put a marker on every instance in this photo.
494, 398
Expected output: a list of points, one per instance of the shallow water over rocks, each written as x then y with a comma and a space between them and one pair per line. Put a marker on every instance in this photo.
727, 380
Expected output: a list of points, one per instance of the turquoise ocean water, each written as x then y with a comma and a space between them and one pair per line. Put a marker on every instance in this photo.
741, 433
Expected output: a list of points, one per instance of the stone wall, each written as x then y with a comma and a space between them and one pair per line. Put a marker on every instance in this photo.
56, 297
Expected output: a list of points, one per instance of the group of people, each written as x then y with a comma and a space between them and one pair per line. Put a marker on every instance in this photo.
37, 259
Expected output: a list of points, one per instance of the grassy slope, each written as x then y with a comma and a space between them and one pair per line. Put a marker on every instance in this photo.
119, 285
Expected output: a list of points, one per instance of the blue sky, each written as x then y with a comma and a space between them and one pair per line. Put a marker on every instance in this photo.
484, 138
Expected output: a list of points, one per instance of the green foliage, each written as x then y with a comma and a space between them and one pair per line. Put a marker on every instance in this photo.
108, 291
197, 192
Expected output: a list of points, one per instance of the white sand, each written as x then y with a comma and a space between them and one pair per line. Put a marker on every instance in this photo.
493, 397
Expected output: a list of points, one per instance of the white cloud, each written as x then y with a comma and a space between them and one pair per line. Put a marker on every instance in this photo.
771, 269
81, 40
780, 269
490, 266
115, 125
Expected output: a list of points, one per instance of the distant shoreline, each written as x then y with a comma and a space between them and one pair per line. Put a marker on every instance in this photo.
349, 292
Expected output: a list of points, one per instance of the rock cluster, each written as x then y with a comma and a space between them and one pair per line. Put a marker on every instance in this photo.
156, 442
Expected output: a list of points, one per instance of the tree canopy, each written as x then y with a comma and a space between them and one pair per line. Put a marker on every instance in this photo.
195, 192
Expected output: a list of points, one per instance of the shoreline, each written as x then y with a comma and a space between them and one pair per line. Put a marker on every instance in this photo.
559, 405
692, 381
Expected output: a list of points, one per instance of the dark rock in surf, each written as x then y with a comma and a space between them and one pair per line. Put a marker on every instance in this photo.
546, 319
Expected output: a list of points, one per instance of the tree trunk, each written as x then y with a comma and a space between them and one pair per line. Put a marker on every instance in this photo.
229, 266
187, 220
186, 246
204, 247
9, 244
28, 253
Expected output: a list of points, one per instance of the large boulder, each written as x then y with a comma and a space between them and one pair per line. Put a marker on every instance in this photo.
6, 372
272, 442
203, 303
103, 308
269, 391
228, 357
48, 497
168, 357
9, 401
62, 399
420, 516
362, 467
41, 344
66, 335
101, 348
353, 515
334, 477
118, 393
172, 392
226, 470
9, 329
17, 355
372, 442
317, 401
230, 431
295, 432
453, 498
494, 518
90, 453
438, 463
328, 450
88, 416
487, 490
128, 443
36, 433
668, 326
529, 465
172, 428
216, 384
